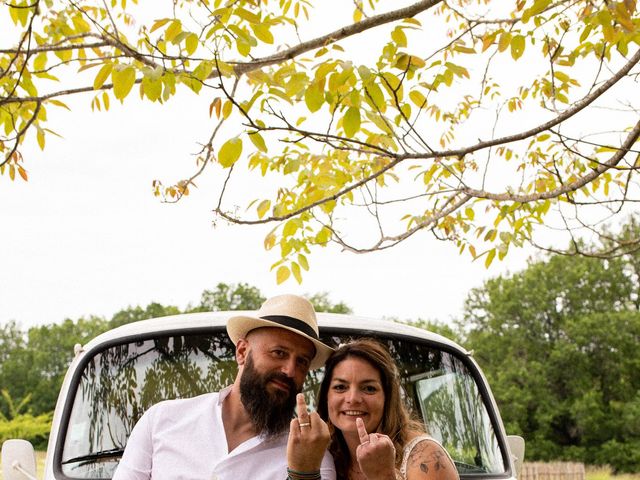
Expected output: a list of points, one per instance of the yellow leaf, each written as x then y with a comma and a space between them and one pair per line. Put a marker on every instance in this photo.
302, 260
398, 36
295, 269
490, 256
23, 173
417, 98
470, 213
159, 23
263, 207
517, 46
282, 274
505, 40
102, 75
314, 97
40, 136
173, 30
351, 121
269, 241
230, 152
263, 33
40, 61
258, 141
226, 109
191, 43
123, 81
152, 88
290, 228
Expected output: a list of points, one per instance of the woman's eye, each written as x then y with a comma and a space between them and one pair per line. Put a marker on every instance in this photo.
339, 388
370, 389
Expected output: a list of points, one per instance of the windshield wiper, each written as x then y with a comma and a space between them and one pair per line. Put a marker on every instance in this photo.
114, 452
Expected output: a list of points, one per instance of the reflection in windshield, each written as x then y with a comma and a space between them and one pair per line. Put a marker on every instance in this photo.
120, 383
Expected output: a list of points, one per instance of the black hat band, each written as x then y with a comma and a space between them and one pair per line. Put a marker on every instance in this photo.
294, 323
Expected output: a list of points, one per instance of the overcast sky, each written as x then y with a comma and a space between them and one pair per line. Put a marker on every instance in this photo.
86, 236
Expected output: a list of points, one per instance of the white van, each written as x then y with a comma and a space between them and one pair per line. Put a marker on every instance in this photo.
115, 377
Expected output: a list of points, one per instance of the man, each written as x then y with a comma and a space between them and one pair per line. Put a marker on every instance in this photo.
240, 433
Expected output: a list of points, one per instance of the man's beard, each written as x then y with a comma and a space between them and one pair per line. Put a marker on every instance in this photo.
270, 413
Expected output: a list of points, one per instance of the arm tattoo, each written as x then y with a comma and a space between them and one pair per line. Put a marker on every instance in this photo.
425, 456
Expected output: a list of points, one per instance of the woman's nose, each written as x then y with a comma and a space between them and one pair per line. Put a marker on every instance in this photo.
353, 395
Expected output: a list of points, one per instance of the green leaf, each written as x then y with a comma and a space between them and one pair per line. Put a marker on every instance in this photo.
351, 121
123, 81
102, 75
282, 274
230, 152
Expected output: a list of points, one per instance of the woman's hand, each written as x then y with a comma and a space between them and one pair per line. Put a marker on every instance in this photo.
376, 454
308, 439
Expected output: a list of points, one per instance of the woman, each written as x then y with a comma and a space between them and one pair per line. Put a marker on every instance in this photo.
373, 436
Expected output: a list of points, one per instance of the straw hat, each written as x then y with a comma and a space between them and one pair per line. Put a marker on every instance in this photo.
290, 312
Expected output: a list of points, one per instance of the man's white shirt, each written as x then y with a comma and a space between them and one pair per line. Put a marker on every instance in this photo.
185, 439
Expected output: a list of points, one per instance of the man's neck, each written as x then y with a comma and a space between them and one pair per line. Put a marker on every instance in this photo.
238, 427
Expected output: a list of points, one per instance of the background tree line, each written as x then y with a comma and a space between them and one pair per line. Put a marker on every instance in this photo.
558, 342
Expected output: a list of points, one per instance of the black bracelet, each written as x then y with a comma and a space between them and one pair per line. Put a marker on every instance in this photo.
295, 475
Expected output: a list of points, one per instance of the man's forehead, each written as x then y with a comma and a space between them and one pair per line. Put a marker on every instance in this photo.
282, 337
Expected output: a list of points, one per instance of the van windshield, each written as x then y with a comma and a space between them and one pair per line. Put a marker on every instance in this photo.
119, 383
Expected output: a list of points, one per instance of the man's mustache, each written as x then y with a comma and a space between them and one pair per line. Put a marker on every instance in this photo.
282, 378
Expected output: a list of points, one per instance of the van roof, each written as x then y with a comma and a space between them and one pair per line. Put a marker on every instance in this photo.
202, 320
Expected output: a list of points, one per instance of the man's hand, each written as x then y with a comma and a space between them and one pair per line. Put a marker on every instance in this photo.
376, 454
308, 439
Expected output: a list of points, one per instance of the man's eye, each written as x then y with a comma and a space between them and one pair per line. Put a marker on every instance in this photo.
279, 353
303, 362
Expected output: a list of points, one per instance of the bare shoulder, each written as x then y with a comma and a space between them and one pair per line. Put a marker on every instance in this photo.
429, 461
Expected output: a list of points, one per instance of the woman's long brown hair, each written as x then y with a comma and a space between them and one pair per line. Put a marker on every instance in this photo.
397, 423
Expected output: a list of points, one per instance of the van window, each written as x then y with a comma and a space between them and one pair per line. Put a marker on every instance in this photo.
118, 384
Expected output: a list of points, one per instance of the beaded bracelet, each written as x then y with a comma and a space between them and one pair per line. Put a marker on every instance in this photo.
295, 475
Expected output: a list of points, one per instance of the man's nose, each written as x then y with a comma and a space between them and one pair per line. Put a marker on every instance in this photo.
288, 367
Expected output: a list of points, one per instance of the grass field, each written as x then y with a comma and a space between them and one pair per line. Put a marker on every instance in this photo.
604, 473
